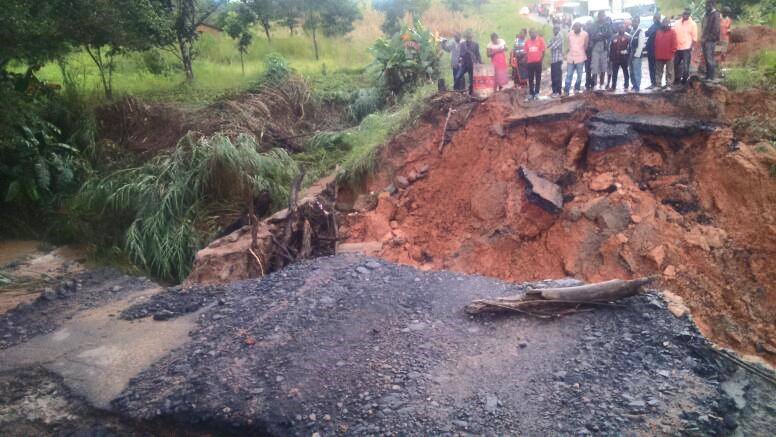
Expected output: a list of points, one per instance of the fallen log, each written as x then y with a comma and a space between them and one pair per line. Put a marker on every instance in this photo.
549, 302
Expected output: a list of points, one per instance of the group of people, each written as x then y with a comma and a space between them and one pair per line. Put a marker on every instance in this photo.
602, 50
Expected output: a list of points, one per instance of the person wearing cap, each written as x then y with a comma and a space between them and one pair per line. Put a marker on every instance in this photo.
710, 36
686, 34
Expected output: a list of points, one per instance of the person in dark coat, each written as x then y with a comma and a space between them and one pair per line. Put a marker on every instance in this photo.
710, 34
650, 33
470, 55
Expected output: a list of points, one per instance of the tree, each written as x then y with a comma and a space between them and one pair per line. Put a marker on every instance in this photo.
333, 17
30, 32
266, 11
187, 15
105, 28
238, 26
291, 13
395, 10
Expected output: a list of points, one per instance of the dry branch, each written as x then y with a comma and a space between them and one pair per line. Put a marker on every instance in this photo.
549, 301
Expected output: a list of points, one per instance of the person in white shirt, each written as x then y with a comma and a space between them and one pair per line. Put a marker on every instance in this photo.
636, 50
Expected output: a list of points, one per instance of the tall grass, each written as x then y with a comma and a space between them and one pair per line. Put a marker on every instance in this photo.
216, 68
166, 203
758, 72
355, 150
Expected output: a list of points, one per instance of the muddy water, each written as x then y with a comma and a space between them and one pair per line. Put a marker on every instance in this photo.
12, 250
30, 268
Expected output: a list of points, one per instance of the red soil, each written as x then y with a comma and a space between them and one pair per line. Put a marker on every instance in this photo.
715, 247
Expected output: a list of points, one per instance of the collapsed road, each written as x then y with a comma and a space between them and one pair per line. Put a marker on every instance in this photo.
354, 345
350, 344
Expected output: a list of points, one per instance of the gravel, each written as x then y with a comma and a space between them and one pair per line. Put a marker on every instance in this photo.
354, 345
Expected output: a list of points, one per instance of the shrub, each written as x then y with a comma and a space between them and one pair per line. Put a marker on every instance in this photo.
36, 166
367, 101
276, 68
407, 59
166, 203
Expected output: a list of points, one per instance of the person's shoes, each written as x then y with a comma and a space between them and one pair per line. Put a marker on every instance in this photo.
555, 95
651, 87
635, 90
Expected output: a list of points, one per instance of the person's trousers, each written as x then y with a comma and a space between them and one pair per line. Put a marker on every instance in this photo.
668, 68
589, 82
570, 69
710, 60
635, 73
468, 70
616, 65
556, 75
682, 60
651, 60
459, 82
534, 78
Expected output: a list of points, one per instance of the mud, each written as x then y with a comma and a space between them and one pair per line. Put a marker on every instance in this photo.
668, 195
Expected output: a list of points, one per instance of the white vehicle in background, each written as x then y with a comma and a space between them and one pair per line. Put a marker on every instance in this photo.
583, 20
524, 10
621, 18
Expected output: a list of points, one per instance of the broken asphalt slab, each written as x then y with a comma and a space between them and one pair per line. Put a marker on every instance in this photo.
545, 113
353, 345
541, 191
653, 124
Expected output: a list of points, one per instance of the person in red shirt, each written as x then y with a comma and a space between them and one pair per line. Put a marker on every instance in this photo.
534, 54
665, 49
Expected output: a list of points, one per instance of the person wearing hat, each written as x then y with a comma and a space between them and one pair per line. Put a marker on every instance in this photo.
686, 34
710, 37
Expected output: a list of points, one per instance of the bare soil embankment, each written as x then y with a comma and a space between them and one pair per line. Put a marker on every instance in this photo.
627, 186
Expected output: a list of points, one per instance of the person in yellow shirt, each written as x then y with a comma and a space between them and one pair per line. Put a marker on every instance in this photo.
686, 35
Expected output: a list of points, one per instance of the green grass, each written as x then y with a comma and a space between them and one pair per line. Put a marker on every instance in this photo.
217, 67
355, 150
758, 72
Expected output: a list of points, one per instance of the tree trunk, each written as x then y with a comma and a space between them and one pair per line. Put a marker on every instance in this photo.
186, 58
96, 56
242, 62
552, 301
265, 24
315, 45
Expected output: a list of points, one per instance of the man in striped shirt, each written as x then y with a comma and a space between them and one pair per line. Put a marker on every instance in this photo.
556, 65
